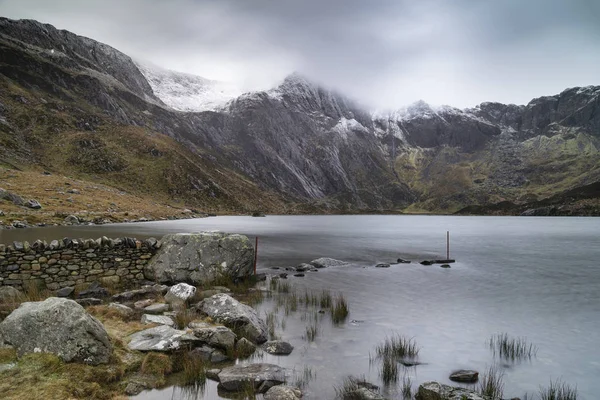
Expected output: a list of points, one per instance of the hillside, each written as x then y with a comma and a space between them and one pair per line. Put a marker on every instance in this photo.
81, 110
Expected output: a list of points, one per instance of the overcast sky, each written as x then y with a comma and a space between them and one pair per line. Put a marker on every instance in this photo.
386, 53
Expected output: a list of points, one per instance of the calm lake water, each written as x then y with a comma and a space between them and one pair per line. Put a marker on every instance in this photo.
537, 278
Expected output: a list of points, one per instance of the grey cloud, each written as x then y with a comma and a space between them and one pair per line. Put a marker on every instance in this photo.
385, 53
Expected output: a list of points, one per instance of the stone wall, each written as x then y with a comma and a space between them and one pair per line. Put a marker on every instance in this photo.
70, 262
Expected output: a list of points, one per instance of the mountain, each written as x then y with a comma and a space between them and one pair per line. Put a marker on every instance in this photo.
77, 107
185, 92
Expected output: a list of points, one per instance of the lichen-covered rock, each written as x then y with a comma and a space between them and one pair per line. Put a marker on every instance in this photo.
236, 378
179, 294
437, 391
157, 319
217, 336
58, 326
226, 310
283, 392
159, 338
201, 257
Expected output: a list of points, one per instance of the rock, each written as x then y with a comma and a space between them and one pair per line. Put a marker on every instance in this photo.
304, 267
363, 393
94, 290
283, 275
73, 191
207, 353
179, 294
278, 347
226, 310
65, 292
58, 326
9, 294
157, 319
382, 265
90, 301
141, 304
402, 261
124, 311
245, 348
19, 224
437, 391
325, 262
237, 377
464, 375
34, 204
201, 257
445, 266
283, 392
213, 374
299, 275
216, 336
157, 308
149, 290
71, 220
426, 262
135, 388
159, 338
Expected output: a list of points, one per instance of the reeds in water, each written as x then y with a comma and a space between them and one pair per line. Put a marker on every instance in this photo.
339, 310
398, 347
512, 349
558, 390
491, 383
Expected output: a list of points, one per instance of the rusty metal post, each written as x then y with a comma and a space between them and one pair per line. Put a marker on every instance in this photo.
255, 254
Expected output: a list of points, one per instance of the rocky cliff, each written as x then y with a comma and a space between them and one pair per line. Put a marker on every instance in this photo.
299, 146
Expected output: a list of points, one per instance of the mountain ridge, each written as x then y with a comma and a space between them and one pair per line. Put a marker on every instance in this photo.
311, 147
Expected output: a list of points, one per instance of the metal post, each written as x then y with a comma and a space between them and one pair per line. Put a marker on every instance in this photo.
447, 245
255, 254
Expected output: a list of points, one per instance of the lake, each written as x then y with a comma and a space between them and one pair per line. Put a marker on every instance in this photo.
537, 278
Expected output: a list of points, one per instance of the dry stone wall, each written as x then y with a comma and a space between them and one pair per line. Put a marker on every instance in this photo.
70, 262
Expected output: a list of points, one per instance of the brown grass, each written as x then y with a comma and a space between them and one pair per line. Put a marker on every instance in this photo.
157, 364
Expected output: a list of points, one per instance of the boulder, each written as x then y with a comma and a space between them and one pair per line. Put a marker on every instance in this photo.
283, 392
137, 294
65, 292
325, 262
464, 375
58, 326
9, 294
278, 347
159, 338
33, 204
244, 348
157, 308
213, 374
201, 257
157, 319
437, 391
226, 310
71, 220
122, 310
237, 377
216, 336
207, 353
179, 294
304, 267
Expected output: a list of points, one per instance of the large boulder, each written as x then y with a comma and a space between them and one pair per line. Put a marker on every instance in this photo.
228, 311
179, 294
160, 338
58, 326
216, 336
437, 391
9, 294
236, 378
201, 257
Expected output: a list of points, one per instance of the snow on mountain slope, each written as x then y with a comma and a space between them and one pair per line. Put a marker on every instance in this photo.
186, 92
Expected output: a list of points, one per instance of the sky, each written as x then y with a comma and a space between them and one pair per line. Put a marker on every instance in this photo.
384, 53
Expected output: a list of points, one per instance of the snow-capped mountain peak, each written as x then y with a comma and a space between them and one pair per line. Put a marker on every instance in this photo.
186, 92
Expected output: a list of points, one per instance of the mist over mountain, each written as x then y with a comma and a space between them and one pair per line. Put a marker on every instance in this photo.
69, 104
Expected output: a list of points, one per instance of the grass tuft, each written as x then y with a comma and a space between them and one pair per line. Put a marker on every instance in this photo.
512, 349
491, 383
157, 364
340, 310
558, 390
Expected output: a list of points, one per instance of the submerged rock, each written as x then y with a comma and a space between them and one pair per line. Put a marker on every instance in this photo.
201, 257
325, 262
382, 265
402, 261
58, 326
283, 392
236, 378
226, 310
463, 375
437, 391
278, 347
